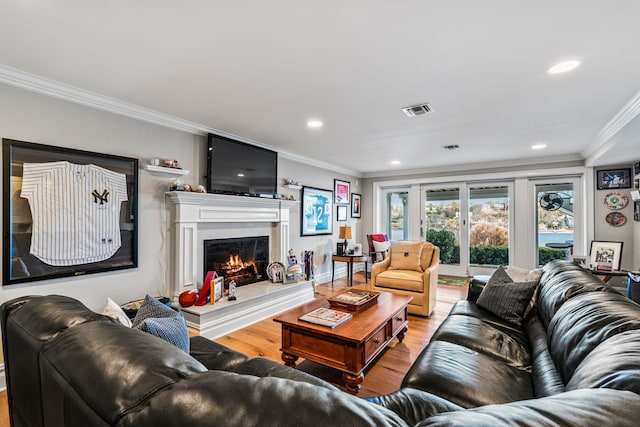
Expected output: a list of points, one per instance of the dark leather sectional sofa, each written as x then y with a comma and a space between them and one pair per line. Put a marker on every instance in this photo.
574, 362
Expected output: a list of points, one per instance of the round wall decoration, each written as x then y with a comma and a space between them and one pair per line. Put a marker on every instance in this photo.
616, 200
616, 219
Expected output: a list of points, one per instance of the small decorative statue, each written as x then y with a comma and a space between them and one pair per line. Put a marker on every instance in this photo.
232, 291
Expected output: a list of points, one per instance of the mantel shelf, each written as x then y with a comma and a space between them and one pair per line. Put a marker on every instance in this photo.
168, 171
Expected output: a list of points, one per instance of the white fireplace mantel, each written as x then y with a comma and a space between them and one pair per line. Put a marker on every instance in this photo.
186, 211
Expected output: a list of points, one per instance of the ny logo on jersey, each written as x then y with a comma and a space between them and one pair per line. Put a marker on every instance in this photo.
102, 197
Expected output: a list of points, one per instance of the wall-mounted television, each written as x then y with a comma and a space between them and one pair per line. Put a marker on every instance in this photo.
238, 168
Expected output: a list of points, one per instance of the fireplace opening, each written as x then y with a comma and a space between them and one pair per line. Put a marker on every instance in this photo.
243, 259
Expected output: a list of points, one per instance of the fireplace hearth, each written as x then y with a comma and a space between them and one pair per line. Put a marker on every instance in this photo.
243, 260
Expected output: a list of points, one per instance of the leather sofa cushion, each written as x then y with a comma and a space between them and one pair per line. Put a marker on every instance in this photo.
468, 308
585, 322
407, 280
406, 256
233, 400
130, 364
261, 367
213, 355
613, 364
546, 378
484, 338
578, 408
466, 377
556, 289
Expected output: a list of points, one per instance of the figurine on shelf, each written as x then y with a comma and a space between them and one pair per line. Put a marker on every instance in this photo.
232, 291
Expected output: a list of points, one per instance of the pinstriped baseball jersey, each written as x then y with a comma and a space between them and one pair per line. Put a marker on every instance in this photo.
75, 211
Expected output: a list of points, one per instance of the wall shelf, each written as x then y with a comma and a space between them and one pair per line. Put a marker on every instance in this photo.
168, 171
293, 186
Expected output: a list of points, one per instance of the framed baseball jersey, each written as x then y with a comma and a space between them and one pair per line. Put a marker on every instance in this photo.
72, 212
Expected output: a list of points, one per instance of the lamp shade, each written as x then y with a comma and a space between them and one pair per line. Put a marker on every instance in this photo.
345, 232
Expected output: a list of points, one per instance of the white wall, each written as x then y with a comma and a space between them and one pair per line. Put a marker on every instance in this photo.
31, 117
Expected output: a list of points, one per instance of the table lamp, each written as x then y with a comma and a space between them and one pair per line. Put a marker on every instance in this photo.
345, 233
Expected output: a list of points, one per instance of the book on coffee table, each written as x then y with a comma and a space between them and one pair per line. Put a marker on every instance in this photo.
326, 317
354, 300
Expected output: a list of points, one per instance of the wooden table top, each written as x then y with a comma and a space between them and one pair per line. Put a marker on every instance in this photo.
356, 329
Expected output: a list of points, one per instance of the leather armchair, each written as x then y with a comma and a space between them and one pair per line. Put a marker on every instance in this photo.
421, 286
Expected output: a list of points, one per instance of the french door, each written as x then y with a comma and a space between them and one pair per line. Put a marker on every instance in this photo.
470, 223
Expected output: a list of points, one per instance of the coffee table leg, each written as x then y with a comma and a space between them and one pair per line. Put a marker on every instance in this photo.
289, 359
401, 334
352, 382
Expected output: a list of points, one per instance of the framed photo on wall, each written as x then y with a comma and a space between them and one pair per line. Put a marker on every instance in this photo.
67, 212
614, 178
341, 191
317, 212
356, 205
342, 213
605, 256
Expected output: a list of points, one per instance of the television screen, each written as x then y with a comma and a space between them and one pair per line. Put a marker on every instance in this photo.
234, 167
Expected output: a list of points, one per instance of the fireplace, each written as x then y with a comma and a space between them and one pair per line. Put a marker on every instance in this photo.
243, 260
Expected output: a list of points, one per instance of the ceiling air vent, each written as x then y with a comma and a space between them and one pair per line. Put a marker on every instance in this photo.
451, 147
416, 110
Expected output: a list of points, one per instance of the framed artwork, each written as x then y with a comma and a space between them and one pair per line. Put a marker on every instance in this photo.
356, 205
342, 213
636, 211
316, 213
614, 178
605, 256
87, 222
341, 191
636, 168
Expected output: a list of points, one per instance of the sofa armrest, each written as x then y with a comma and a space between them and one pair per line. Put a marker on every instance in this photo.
413, 405
579, 408
475, 289
378, 268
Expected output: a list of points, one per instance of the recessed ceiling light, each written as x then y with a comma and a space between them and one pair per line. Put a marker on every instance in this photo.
240, 174
563, 67
314, 124
395, 162
538, 146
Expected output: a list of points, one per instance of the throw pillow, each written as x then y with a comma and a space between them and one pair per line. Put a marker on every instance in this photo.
500, 276
381, 249
163, 322
113, 310
406, 256
507, 300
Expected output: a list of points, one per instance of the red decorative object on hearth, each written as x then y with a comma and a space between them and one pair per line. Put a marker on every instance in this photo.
187, 298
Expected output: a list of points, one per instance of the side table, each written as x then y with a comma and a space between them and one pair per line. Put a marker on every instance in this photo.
349, 259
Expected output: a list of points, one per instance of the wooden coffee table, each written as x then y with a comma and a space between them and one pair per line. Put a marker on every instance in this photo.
349, 347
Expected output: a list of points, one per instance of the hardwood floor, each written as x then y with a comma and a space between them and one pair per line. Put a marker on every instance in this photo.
384, 376
262, 339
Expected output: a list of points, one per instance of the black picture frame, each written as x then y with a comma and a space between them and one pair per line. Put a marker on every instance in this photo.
19, 264
356, 205
636, 211
614, 178
316, 215
341, 191
605, 255
636, 168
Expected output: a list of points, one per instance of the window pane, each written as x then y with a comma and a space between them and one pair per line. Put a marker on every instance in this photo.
489, 225
397, 214
555, 221
442, 222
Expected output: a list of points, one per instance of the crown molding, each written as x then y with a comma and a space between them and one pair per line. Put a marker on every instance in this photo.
451, 170
603, 141
41, 85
